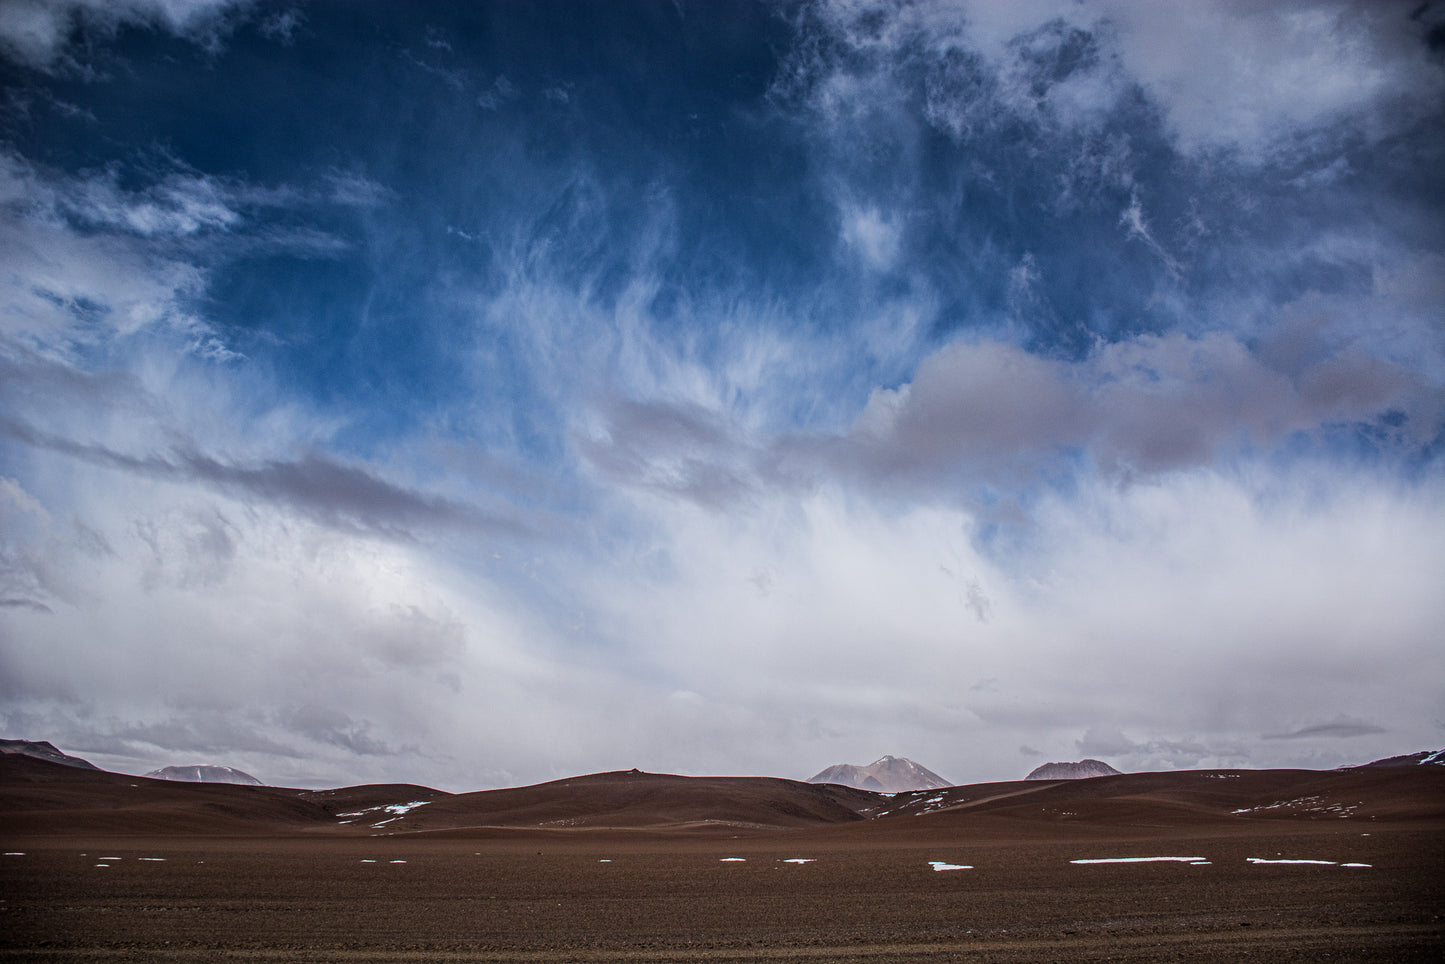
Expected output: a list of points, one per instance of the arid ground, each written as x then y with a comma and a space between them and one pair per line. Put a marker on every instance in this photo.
632, 866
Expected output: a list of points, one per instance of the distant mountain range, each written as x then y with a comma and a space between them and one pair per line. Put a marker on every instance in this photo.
889, 774
43, 797
1082, 770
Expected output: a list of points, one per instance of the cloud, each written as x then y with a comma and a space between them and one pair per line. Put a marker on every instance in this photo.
993, 412
39, 33
1250, 78
867, 232
1342, 728
1031, 390
319, 487
1191, 613
990, 413
1107, 741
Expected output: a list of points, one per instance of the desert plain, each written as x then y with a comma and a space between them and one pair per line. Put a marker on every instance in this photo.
1271, 865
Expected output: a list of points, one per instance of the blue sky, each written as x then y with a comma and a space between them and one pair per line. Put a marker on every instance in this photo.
480, 393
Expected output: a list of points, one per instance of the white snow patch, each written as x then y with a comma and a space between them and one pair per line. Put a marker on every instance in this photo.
106, 866
1140, 860
398, 861
400, 808
945, 865
800, 860
18, 853
154, 860
604, 860
367, 860
1356, 865
395, 809
1286, 860
731, 860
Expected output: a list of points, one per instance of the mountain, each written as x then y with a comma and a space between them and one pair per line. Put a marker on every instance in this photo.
205, 773
44, 751
890, 774
1423, 758
1082, 770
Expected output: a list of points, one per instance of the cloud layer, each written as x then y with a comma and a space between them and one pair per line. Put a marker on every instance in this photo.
720, 388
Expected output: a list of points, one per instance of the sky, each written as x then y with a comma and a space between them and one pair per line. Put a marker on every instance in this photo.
477, 394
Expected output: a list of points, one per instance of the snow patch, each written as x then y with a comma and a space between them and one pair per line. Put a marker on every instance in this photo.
731, 860
800, 860
938, 865
395, 809
1314, 804
1286, 860
1140, 860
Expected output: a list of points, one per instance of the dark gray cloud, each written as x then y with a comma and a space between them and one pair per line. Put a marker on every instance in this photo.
328, 725
1342, 728
994, 414
681, 450
328, 491
1158, 753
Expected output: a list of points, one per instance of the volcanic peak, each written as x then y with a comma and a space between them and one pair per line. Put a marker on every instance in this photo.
888, 774
205, 773
1082, 770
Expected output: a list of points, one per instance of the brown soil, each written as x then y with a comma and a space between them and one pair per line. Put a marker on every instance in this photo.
268, 874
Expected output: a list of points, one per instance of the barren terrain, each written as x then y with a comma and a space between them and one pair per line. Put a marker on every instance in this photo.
631, 866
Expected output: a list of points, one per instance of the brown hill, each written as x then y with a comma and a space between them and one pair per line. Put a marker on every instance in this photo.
44, 750
633, 799
42, 797
1165, 803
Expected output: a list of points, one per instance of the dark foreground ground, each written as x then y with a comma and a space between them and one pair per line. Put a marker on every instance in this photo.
654, 900
86, 876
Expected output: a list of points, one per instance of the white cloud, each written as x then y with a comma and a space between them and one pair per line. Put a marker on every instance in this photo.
872, 235
1241, 75
1196, 612
1246, 74
38, 32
